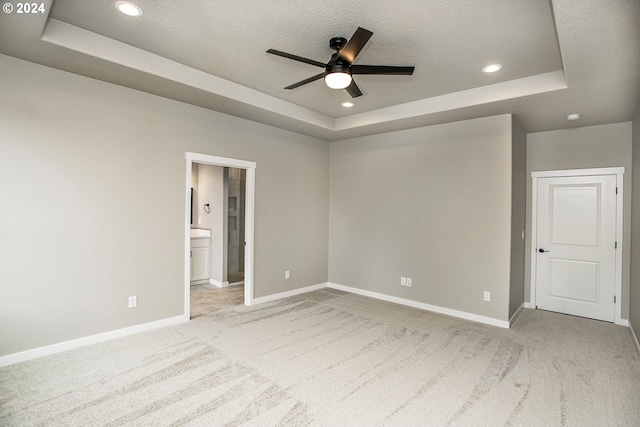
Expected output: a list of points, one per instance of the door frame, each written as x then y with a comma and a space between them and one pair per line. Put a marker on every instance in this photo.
249, 220
619, 173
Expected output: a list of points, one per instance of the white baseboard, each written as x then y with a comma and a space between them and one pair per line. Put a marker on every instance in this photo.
517, 313
274, 297
218, 284
11, 359
48, 350
428, 307
635, 338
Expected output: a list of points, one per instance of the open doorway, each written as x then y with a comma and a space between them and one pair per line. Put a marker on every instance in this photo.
219, 240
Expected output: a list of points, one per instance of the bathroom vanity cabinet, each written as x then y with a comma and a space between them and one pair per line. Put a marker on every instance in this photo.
200, 256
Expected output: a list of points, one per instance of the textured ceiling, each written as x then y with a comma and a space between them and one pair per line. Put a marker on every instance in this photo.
559, 57
229, 40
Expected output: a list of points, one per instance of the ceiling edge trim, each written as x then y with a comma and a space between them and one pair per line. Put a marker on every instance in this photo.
503, 91
80, 40
86, 42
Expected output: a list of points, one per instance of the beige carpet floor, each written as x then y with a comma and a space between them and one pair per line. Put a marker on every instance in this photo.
330, 358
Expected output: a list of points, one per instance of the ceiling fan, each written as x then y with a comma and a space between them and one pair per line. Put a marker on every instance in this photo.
338, 71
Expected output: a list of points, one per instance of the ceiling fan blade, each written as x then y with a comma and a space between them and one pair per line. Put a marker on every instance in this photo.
297, 58
355, 44
353, 89
381, 69
305, 81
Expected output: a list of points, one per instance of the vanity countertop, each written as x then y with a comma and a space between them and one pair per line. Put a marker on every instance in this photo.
198, 233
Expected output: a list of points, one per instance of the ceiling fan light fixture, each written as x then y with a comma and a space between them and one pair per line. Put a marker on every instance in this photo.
337, 80
129, 9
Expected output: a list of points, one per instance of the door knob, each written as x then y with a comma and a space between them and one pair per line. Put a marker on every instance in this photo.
542, 250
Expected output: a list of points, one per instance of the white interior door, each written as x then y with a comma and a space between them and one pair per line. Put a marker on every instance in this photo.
576, 245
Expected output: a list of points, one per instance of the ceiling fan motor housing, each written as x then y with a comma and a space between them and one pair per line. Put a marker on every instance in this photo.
338, 67
337, 43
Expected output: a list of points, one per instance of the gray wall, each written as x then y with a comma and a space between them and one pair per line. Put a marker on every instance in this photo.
518, 215
579, 148
433, 204
634, 294
92, 180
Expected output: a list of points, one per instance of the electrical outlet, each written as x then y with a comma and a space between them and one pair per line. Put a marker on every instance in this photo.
487, 296
133, 302
403, 281
287, 274
409, 281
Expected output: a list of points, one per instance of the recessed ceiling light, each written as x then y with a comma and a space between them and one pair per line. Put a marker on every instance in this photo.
574, 116
347, 104
128, 8
492, 68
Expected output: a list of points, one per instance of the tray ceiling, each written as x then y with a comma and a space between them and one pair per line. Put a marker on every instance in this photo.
558, 57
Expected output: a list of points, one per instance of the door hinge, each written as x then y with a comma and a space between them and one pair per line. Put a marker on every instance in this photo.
614, 299
616, 190
616, 245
